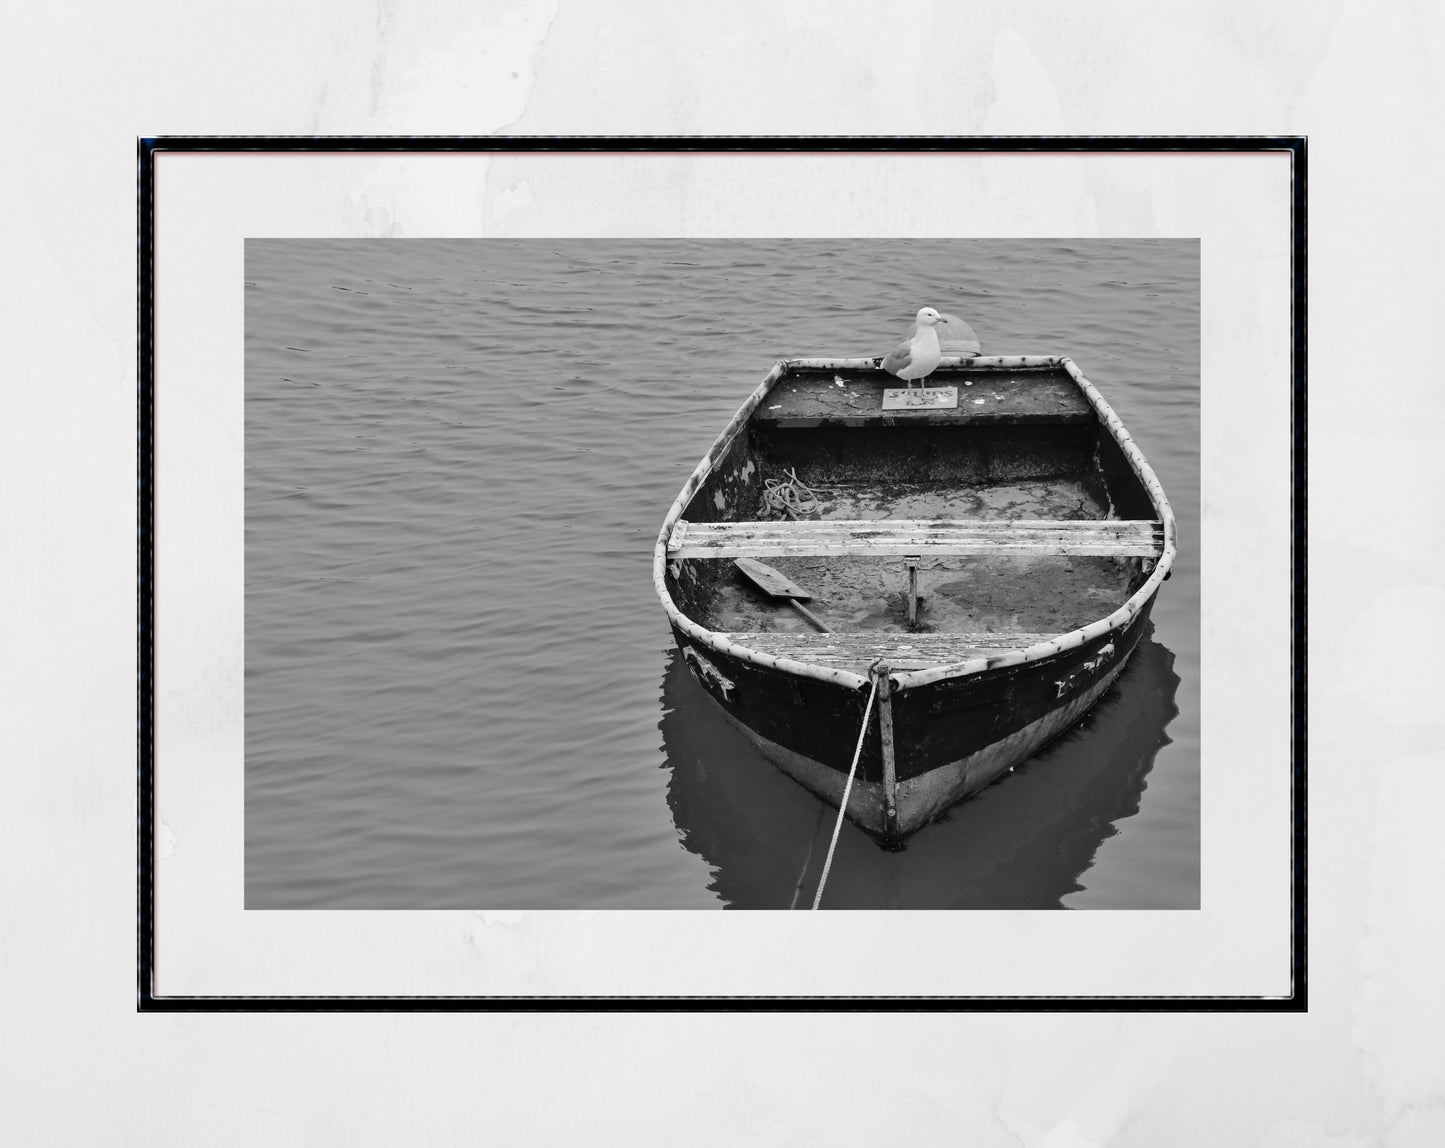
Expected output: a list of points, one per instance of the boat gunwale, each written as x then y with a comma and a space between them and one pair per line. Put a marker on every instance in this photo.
911, 679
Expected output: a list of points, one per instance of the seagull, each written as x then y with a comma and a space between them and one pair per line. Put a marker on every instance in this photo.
917, 358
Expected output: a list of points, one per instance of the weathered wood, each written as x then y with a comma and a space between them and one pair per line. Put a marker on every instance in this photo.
807, 613
885, 745
771, 581
904, 651
903, 537
912, 561
776, 584
988, 393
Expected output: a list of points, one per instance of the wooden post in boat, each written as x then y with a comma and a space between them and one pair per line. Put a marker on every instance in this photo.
879, 672
912, 561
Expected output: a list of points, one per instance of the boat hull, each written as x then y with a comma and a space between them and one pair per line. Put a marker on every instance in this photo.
951, 739
924, 799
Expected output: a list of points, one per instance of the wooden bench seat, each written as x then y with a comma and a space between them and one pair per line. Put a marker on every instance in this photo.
988, 395
902, 651
1122, 539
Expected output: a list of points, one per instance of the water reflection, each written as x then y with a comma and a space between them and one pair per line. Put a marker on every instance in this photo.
1021, 844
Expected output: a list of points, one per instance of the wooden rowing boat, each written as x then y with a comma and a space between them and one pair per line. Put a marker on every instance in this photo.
984, 570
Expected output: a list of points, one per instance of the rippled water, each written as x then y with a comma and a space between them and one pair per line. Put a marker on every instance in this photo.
460, 691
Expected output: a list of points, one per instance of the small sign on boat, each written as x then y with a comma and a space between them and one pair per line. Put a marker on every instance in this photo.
925, 399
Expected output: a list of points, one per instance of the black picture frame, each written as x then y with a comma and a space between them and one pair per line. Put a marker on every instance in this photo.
149, 148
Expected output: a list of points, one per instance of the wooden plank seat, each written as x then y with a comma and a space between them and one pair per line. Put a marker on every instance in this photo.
1107, 537
902, 651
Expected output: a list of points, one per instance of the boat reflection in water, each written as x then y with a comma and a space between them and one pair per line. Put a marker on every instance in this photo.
1023, 843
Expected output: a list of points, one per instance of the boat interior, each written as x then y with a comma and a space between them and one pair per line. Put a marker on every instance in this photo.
926, 536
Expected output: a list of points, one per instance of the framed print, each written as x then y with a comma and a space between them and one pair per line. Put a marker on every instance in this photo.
544, 540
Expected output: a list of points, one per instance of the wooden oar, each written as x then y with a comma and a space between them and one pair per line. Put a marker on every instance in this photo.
773, 582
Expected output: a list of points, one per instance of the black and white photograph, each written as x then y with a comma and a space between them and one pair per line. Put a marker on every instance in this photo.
923, 563
759, 573
567, 586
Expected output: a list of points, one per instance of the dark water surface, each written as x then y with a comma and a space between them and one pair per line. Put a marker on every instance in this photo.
460, 691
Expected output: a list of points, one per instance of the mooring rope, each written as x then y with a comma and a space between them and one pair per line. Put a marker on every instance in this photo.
843, 805
808, 860
790, 497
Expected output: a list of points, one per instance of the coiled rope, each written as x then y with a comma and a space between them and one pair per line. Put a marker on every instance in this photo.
789, 497
848, 788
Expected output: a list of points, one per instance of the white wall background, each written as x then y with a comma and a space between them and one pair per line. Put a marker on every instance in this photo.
79, 82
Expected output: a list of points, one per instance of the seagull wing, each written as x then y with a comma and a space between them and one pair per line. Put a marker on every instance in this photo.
955, 337
898, 358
